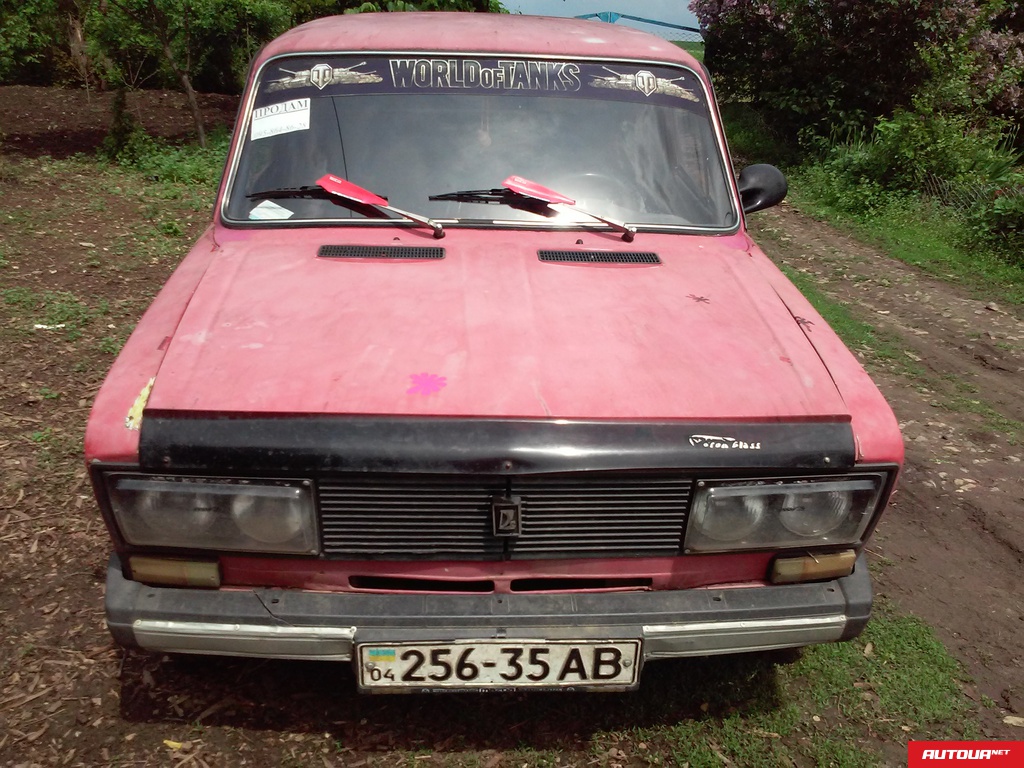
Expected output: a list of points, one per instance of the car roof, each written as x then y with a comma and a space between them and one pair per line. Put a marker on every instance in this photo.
487, 33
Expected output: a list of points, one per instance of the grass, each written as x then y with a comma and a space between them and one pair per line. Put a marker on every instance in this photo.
996, 422
852, 704
172, 166
855, 333
695, 49
52, 310
917, 233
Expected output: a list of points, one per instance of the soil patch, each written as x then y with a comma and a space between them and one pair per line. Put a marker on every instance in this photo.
37, 121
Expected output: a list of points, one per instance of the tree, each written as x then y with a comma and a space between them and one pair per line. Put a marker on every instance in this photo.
185, 37
822, 63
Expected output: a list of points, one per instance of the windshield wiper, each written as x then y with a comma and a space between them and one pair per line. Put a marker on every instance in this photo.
315, 193
345, 189
516, 190
329, 187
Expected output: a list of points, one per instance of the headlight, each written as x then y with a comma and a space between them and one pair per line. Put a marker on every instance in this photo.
732, 518
272, 519
770, 514
198, 513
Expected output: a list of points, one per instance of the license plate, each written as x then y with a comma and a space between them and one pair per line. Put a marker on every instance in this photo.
499, 664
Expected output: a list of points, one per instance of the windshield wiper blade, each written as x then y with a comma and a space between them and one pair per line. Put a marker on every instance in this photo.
343, 188
528, 188
286, 192
497, 196
517, 190
316, 193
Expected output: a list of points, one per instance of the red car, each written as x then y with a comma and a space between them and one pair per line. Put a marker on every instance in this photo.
476, 379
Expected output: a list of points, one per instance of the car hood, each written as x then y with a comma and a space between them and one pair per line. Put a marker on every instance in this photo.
491, 331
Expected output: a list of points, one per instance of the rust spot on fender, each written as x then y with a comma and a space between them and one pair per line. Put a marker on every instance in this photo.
134, 418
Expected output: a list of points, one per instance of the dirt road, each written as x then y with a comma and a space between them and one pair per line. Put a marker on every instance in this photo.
951, 549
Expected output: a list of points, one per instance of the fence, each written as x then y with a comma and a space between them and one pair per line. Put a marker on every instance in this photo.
962, 199
677, 33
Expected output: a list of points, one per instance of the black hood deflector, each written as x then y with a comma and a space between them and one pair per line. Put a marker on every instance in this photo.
318, 445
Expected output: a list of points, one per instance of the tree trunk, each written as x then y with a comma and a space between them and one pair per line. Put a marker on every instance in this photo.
190, 94
161, 27
164, 33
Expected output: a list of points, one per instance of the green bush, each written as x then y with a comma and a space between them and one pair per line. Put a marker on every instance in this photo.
905, 151
163, 161
998, 219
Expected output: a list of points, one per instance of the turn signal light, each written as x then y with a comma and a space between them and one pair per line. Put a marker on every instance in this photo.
177, 573
790, 570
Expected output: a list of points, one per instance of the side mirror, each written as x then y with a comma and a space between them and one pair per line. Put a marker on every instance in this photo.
761, 186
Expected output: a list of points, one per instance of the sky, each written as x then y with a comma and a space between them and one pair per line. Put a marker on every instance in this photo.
671, 11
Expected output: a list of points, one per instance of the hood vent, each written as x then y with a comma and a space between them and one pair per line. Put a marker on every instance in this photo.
417, 253
600, 257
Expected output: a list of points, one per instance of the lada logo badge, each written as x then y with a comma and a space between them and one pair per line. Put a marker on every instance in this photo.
646, 82
321, 75
506, 516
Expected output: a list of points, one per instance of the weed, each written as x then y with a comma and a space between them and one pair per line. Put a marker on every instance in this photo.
51, 309
20, 297
48, 394
42, 435
110, 345
170, 229
163, 163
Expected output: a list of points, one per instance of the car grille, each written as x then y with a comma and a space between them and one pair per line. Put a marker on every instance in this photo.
449, 517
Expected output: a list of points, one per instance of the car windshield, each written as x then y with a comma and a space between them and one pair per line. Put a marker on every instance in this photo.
626, 141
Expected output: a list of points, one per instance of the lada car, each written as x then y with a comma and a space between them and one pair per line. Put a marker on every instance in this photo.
477, 381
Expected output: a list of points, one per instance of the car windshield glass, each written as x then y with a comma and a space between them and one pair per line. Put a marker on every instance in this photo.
629, 142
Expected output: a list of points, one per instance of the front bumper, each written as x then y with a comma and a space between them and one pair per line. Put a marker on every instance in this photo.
293, 624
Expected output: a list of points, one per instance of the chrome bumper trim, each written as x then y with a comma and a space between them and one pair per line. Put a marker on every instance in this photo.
661, 641
665, 641
264, 641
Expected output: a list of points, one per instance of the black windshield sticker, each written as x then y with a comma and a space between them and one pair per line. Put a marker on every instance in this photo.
322, 75
331, 76
645, 82
443, 74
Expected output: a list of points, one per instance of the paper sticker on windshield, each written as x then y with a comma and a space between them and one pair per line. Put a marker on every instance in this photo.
644, 81
286, 117
268, 210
